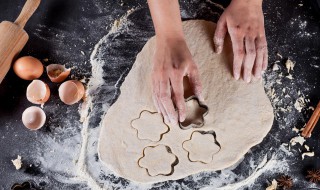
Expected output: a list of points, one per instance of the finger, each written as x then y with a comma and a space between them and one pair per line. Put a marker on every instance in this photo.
163, 111
166, 101
265, 59
155, 91
238, 51
220, 34
195, 83
249, 58
155, 102
259, 58
177, 88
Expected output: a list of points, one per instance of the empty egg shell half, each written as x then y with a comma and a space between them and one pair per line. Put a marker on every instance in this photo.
57, 72
38, 92
71, 92
33, 118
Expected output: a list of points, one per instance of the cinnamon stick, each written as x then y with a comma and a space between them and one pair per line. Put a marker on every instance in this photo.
312, 122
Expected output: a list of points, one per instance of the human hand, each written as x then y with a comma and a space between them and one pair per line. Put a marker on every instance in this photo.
245, 23
171, 62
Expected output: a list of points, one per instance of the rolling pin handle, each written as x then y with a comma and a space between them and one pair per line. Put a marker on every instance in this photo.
28, 9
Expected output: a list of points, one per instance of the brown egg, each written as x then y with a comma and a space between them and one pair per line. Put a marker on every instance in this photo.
33, 118
28, 68
57, 72
38, 92
71, 92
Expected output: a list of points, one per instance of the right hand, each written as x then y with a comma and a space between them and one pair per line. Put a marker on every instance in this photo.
171, 62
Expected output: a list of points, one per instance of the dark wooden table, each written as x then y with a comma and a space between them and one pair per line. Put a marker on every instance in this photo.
66, 32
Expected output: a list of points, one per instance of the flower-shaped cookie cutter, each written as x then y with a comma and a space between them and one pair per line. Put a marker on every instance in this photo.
195, 115
158, 160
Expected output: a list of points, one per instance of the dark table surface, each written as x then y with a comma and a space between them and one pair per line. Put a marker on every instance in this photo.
82, 35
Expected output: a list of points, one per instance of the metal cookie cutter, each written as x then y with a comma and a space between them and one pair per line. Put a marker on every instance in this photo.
195, 114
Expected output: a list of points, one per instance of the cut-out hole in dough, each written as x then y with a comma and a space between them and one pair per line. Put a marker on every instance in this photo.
196, 111
150, 126
201, 146
158, 160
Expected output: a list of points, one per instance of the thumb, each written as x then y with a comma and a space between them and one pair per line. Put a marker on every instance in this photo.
220, 34
195, 83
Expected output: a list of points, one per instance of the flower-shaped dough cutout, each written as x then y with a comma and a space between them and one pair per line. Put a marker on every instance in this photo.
201, 147
158, 160
150, 126
196, 111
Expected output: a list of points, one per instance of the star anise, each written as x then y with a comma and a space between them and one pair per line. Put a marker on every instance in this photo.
313, 175
285, 182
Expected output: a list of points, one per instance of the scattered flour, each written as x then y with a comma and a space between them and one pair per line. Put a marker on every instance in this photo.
264, 166
300, 104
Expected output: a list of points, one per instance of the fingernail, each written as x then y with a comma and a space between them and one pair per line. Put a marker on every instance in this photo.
182, 118
200, 97
260, 75
173, 120
166, 120
218, 49
248, 79
265, 68
236, 76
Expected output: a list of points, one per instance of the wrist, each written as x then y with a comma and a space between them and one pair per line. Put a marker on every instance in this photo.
169, 37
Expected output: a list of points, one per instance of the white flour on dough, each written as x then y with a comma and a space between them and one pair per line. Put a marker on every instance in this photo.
240, 114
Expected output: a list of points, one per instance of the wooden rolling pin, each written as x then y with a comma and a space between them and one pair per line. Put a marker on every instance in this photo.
13, 37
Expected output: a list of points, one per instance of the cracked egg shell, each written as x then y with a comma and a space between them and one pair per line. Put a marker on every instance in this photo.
71, 92
33, 118
38, 92
28, 68
57, 73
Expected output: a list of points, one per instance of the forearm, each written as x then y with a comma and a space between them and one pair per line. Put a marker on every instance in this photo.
166, 18
249, 2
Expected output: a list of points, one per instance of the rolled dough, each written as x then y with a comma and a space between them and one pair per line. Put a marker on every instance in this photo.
240, 114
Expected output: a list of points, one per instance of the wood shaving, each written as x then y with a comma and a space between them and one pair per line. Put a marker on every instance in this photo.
17, 163
295, 129
307, 147
297, 139
275, 67
273, 186
289, 65
289, 77
310, 154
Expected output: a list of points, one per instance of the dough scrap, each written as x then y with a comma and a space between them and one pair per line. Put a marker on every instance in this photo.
201, 147
158, 160
150, 126
240, 114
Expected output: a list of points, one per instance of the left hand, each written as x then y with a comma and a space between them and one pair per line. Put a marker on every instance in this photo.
244, 21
